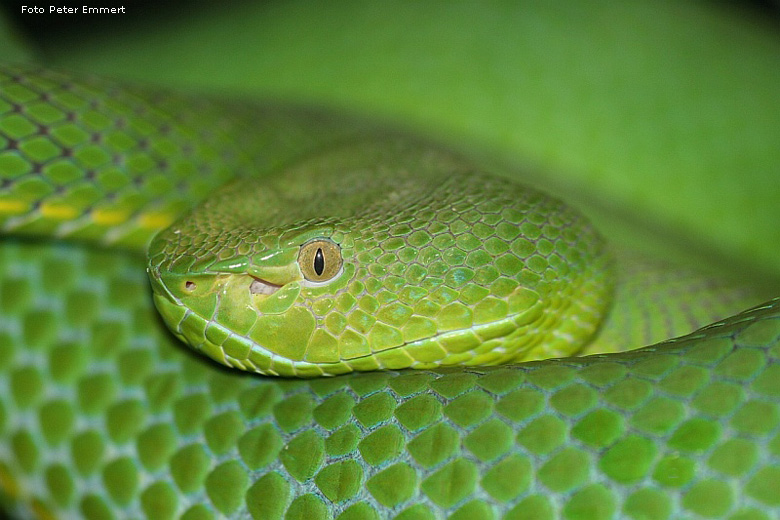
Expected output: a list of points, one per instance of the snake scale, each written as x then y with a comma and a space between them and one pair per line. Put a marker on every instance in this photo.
407, 256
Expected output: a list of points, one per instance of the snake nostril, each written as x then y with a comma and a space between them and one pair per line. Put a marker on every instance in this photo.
190, 286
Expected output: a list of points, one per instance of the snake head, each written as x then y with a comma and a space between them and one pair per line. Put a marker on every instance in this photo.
379, 255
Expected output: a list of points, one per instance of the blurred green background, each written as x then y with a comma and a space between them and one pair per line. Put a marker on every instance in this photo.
661, 118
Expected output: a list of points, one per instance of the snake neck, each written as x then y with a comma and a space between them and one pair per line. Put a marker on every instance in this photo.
655, 300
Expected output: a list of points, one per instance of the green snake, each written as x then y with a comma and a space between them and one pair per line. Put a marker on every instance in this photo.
344, 247
340, 249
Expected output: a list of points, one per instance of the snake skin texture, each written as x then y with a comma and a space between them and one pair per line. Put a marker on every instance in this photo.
88, 160
104, 414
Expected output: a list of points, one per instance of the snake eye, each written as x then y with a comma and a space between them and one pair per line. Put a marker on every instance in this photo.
320, 260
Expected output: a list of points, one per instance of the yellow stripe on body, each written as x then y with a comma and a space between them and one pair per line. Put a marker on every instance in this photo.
156, 219
13, 207
109, 217
59, 211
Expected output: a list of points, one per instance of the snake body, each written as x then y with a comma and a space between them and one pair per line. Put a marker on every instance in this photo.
106, 415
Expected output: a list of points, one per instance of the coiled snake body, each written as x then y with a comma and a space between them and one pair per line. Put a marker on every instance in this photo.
349, 253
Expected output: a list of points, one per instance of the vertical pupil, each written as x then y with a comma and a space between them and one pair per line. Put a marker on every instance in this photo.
319, 262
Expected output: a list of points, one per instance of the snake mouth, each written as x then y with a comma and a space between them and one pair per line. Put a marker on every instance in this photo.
263, 287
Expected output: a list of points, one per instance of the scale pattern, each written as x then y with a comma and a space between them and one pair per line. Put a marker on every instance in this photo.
92, 160
104, 415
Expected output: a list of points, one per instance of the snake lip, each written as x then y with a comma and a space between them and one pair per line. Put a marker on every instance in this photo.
260, 286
